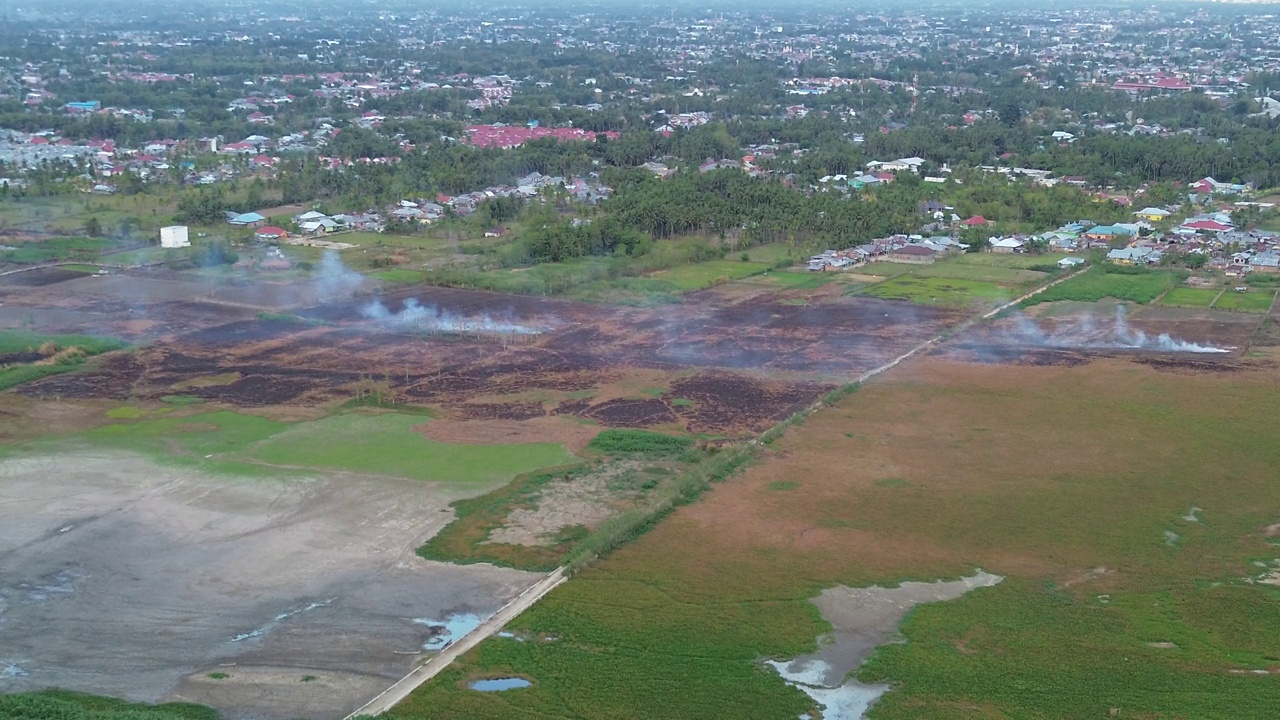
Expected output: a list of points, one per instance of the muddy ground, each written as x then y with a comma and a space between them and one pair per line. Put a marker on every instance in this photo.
122, 577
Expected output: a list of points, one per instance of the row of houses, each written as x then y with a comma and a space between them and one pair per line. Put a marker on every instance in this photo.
913, 249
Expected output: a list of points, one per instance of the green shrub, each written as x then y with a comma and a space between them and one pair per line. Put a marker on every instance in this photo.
640, 442
64, 705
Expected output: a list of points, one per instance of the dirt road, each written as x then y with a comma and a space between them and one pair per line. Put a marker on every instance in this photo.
399, 691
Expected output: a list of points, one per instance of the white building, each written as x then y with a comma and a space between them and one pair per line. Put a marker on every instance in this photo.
174, 236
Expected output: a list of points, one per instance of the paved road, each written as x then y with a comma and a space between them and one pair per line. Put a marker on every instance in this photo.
424, 672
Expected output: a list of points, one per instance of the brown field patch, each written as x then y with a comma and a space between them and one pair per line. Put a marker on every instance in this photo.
573, 434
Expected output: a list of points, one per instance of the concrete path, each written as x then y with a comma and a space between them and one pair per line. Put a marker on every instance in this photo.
495, 622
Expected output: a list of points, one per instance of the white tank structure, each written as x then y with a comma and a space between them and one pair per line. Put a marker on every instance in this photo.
174, 236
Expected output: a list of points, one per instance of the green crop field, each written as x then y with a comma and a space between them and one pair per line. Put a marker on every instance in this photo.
1131, 519
1258, 301
942, 292
1132, 284
1190, 297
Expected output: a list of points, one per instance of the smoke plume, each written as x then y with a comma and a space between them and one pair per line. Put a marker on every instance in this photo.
1087, 333
332, 279
416, 317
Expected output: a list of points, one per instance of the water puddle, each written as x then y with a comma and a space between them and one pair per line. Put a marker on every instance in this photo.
279, 619
444, 633
498, 684
863, 619
57, 584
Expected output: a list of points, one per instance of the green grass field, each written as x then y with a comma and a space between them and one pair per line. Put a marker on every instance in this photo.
796, 280
1257, 301
1013, 277
1190, 297
386, 444
399, 276
939, 291
1010, 260
383, 443
699, 276
1114, 603
1103, 281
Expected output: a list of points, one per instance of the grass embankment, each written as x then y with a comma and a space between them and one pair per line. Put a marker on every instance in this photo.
28, 356
466, 539
1115, 603
64, 705
382, 443
1133, 284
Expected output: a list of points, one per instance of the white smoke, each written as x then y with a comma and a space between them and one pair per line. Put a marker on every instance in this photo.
1086, 333
417, 317
332, 279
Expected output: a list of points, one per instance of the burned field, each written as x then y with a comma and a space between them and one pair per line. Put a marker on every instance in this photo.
712, 365
1165, 338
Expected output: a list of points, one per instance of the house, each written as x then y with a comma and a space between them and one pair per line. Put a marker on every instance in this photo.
249, 219
1208, 186
976, 221
913, 254
324, 224
1134, 256
1107, 232
1069, 262
1007, 245
270, 232
1266, 262
1152, 214
1206, 226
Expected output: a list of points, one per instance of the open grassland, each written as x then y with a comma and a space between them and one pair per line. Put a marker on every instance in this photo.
1137, 285
1190, 297
1132, 516
1258, 301
380, 443
939, 291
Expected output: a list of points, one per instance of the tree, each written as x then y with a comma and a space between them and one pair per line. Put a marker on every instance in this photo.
1011, 114
93, 227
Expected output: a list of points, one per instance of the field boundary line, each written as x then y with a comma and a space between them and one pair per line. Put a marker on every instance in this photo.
402, 688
